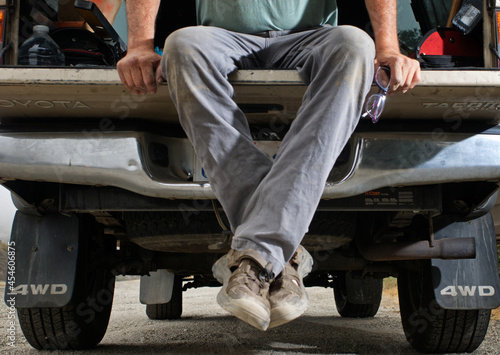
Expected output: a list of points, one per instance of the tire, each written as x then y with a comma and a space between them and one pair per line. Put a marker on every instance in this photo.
430, 328
349, 306
83, 322
170, 310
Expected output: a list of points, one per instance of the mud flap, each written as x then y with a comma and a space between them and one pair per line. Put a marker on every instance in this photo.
468, 283
44, 268
157, 288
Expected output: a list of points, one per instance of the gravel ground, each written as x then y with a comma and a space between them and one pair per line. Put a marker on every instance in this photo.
206, 328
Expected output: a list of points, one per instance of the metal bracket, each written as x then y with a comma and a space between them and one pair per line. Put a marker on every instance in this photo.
495, 51
431, 232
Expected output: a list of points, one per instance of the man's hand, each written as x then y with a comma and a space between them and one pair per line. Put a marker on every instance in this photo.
405, 72
140, 71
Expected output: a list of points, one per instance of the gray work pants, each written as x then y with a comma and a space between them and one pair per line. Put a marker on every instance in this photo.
269, 204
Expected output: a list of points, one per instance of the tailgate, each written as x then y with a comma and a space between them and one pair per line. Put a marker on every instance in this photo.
264, 95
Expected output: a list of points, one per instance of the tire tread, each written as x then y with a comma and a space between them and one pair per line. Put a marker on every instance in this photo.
65, 328
170, 310
348, 309
448, 331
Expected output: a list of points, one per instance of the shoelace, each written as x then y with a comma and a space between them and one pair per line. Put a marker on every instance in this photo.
266, 273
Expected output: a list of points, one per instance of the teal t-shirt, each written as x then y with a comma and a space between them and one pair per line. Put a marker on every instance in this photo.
253, 16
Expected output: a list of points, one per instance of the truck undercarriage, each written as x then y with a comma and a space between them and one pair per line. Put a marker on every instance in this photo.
107, 184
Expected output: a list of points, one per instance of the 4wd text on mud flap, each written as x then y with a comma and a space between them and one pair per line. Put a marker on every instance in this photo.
53, 289
46, 104
468, 291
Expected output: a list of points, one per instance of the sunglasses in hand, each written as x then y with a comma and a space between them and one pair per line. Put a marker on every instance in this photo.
376, 102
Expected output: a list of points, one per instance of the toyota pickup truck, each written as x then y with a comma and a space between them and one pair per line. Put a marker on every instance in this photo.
106, 183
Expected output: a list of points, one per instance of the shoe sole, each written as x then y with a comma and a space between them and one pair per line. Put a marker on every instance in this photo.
285, 313
245, 308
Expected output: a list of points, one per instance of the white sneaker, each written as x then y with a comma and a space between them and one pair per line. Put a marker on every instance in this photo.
287, 295
244, 291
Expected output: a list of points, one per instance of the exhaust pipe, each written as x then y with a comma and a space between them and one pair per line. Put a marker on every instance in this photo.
449, 248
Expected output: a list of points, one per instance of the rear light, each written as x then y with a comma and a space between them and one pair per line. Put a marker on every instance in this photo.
3, 22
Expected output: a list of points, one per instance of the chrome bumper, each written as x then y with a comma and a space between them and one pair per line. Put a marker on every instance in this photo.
127, 160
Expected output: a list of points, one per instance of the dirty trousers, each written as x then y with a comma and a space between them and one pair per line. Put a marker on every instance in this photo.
269, 204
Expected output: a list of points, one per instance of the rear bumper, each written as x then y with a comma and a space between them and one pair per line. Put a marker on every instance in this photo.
127, 160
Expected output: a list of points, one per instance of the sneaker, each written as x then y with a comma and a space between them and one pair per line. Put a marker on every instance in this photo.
245, 286
287, 294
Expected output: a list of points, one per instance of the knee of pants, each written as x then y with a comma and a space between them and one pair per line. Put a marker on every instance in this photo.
354, 43
189, 45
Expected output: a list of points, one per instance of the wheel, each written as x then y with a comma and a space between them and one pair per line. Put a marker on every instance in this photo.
169, 310
430, 328
83, 322
357, 298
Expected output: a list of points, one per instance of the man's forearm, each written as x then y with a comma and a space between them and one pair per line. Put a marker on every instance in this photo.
141, 17
383, 15
405, 72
